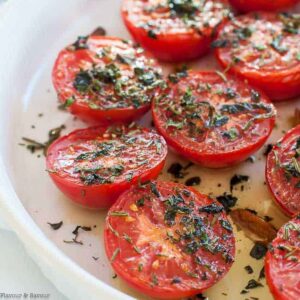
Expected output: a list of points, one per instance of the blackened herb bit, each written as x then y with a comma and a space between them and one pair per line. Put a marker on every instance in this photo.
200, 297
268, 149
114, 276
176, 170
261, 273
95, 258
193, 181
56, 226
227, 200
252, 284
249, 269
84, 228
237, 179
258, 251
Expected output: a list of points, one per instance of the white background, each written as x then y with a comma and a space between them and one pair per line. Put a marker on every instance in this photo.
18, 273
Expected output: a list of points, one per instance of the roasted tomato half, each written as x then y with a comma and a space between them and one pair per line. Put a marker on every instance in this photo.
213, 119
282, 263
264, 49
174, 30
283, 172
168, 240
257, 5
105, 79
94, 166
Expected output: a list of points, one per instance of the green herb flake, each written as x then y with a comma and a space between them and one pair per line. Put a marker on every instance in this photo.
116, 252
154, 279
69, 102
119, 214
140, 267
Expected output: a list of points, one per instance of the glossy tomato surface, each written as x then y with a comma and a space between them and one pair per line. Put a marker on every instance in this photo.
264, 49
283, 172
174, 30
257, 5
94, 166
282, 263
105, 79
213, 120
168, 240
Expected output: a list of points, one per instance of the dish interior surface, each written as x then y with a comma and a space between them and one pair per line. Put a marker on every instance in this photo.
33, 110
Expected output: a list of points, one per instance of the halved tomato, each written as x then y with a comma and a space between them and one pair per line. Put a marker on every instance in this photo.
105, 79
174, 30
94, 166
168, 240
283, 172
213, 119
264, 49
257, 5
282, 263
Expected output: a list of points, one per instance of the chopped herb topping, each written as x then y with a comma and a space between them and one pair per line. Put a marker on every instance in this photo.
211, 209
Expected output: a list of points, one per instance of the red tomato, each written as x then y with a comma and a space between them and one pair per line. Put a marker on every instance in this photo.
94, 166
256, 5
213, 120
283, 172
174, 30
106, 79
168, 240
264, 49
282, 263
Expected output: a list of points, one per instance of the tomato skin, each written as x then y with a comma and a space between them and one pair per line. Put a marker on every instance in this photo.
284, 193
282, 272
66, 67
107, 117
163, 290
96, 196
208, 159
170, 46
257, 5
278, 84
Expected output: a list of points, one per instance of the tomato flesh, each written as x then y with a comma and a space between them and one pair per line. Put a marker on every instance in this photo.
168, 240
283, 172
264, 49
105, 79
257, 5
174, 30
94, 166
213, 122
282, 263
